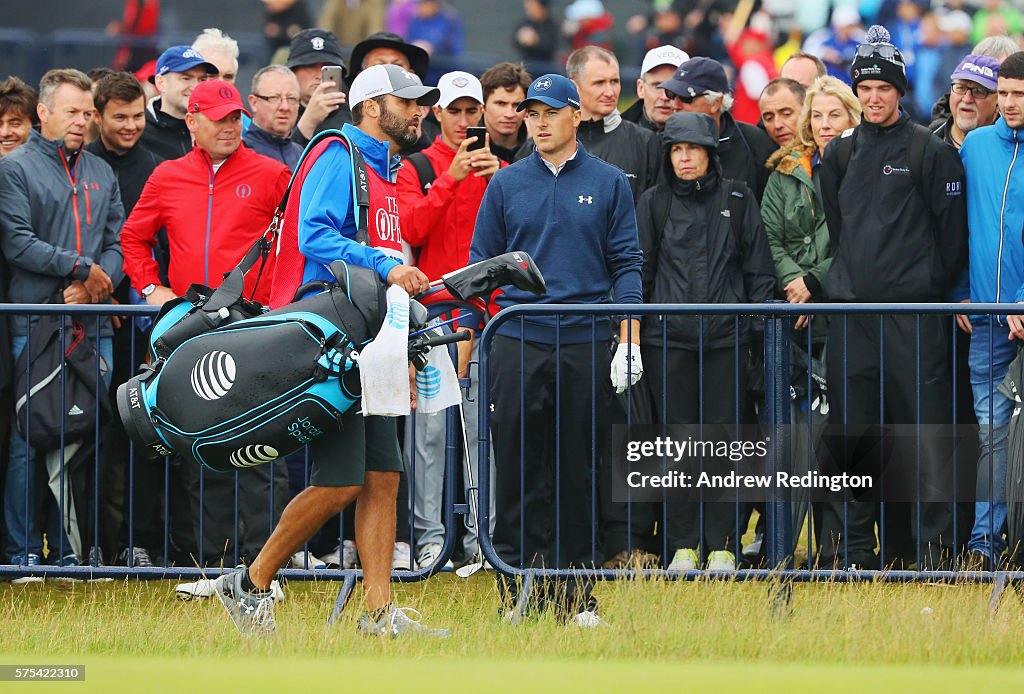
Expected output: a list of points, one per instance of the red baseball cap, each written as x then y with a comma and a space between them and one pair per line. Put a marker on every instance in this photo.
215, 99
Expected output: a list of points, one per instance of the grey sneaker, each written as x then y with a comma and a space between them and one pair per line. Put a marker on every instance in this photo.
251, 611
398, 621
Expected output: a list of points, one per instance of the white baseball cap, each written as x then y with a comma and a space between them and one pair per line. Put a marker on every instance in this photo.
663, 55
379, 80
456, 85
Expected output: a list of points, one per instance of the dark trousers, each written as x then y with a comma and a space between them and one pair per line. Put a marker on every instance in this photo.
262, 495
886, 372
545, 421
690, 390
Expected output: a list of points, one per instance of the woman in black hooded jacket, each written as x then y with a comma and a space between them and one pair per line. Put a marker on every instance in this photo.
703, 243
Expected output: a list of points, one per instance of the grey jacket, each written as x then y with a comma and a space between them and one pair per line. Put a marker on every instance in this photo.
56, 222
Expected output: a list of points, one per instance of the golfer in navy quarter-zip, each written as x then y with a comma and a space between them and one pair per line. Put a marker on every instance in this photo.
574, 214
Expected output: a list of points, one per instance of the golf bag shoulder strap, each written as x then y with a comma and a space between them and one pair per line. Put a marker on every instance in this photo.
360, 179
424, 170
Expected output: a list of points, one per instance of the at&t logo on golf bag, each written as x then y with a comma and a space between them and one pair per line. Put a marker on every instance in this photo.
213, 375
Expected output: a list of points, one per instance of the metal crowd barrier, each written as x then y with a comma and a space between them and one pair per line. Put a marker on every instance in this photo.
780, 534
136, 319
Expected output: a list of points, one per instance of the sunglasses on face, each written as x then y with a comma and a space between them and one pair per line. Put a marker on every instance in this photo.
978, 92
684, 99
882, 50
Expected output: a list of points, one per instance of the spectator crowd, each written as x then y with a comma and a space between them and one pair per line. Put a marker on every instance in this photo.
772, 150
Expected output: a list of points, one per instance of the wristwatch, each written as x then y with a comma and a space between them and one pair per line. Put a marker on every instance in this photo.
147, 290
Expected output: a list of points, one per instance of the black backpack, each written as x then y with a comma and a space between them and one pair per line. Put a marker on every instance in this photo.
424, 170
57, 385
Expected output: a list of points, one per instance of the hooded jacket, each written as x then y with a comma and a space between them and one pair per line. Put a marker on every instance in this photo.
894, 234
794, 220
212, 219
993, 160
637, 152
56, 221
712, 250
165, 136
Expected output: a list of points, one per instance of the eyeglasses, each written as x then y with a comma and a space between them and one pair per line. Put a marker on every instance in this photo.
961, 89
882, 50
278, 98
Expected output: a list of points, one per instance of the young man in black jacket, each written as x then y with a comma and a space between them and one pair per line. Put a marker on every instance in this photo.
898, 234
178, 70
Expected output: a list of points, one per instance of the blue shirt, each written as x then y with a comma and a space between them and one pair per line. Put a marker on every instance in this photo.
327, 224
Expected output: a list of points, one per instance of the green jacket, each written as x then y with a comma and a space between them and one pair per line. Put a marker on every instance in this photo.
794, 220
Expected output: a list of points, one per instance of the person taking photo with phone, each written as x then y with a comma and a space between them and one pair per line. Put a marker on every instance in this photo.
441, 189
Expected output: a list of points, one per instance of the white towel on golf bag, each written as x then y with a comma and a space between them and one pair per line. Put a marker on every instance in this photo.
384, 362
437, 385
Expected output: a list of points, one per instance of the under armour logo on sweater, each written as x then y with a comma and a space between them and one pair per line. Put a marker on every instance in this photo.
589, 199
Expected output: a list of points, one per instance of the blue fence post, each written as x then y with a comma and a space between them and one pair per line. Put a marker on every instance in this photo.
778, 524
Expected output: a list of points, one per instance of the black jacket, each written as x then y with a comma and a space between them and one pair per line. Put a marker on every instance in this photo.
335, 120
620, 143
894, 234
636, 114
132, 169
712, 250
165, 136
743, 150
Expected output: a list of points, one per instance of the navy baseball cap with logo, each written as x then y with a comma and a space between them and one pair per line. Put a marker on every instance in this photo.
181, 59
697, 76
553, 90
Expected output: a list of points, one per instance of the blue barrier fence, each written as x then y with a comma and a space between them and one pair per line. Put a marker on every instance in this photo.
526, 569
780, 533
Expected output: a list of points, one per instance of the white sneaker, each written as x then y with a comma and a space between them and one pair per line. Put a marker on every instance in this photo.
203, 588
427, 557
683, 560
401, 557
344, 556
721, 560
305, 560
589, 620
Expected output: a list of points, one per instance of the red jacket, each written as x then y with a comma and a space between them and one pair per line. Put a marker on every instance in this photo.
212, 219
440, 223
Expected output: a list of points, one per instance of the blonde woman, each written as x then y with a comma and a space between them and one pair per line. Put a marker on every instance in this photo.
794, 217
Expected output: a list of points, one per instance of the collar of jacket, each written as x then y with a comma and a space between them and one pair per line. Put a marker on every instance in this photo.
581, 155
43, 144
1005, 132
638, 115
601, 126
164, 120
261, 134
726, 130
702, 186
881, 130
374, 152
787, 160
107, 154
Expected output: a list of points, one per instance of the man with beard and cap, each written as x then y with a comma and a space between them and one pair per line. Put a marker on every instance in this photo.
653, 107
897, 219
972, 99
178, 70
360, 461
602, 130
700, 85
385, 48
322, 104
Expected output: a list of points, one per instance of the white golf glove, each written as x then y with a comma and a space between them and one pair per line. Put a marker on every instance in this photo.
627, 366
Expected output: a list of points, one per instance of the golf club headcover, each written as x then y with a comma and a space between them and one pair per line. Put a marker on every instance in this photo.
481, 279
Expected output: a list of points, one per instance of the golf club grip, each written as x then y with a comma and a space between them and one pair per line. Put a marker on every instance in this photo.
459, 336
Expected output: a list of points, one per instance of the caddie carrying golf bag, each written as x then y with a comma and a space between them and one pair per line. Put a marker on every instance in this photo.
253, 389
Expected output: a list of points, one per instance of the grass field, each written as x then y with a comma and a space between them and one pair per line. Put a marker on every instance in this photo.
662, 636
